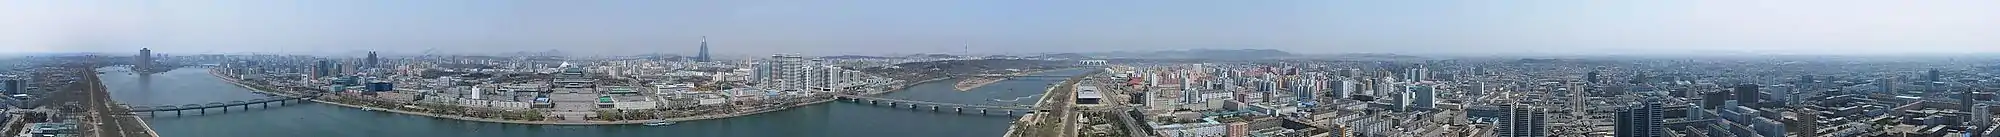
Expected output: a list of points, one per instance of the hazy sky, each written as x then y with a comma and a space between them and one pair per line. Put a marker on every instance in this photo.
1001, 26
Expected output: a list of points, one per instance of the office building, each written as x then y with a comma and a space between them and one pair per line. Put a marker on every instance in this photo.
1642, 119
1747, 95
1524, 120
702, 56
1423, 96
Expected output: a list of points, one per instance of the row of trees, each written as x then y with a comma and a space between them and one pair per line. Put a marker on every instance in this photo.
443, 109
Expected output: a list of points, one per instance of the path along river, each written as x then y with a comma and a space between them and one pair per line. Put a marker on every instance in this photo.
833, 119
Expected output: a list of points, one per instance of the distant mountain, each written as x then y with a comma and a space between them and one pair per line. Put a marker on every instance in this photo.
1199, 54
1063, 56
1364, 56
933, 56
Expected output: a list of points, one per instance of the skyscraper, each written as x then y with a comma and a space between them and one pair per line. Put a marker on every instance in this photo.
372, 62
144, 64
703, 56
1746, 94
1642, 119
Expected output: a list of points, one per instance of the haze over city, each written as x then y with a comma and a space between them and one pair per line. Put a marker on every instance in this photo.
924, 26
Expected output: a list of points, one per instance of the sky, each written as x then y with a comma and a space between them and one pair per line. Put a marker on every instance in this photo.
753, 27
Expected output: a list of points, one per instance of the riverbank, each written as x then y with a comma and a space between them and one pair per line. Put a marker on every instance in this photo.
504, 121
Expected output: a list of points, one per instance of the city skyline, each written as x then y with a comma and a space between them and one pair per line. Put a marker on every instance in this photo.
882, 27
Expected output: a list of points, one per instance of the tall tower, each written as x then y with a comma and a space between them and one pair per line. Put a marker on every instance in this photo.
372, 62
144, 64
703, 56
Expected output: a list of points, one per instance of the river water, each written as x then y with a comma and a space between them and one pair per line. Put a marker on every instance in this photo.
833, 119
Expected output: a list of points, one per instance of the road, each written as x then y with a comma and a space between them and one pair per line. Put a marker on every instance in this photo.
1060, 102
105, 117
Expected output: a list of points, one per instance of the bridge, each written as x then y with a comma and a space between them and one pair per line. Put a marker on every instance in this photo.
938, 106
203, 108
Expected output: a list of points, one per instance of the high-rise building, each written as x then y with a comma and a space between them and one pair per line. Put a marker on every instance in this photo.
1189, 95
1423, 96
1933, 76
703, 55
1965, 99
1888, 85
818, 76
1980, 116
1714, 100
322, 68
372, 62
144, 64
1304, 90
1747, 94
1642, 119
1591, 77
788, 72
13, 85
761, 73
1345, 87
1418, 74
1524, 120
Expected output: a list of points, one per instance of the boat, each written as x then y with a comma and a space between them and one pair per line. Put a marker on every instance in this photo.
371, 109
661, 123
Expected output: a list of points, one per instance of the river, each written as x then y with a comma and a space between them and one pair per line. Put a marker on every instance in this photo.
834, 119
